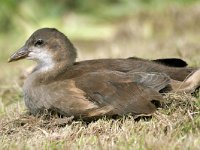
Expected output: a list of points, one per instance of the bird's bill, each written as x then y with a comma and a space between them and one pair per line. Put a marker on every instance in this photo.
19, 54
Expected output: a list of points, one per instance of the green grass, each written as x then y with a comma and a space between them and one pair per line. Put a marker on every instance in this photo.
148, 34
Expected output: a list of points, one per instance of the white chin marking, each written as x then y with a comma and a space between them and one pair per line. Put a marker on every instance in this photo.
43, 57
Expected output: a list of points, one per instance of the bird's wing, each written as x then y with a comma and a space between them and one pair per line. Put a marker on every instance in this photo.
105, 93
154, 80
118, 93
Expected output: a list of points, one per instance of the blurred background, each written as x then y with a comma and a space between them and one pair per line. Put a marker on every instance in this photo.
106, 28
99, 29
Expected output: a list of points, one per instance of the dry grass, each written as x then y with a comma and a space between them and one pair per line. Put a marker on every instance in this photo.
145, 34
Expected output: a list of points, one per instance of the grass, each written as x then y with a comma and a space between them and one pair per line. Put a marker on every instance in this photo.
144, 34
174, 127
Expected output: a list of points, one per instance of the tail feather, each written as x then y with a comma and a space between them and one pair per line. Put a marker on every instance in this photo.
172, 62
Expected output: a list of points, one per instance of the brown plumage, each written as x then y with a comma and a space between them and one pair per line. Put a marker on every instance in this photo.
95, 88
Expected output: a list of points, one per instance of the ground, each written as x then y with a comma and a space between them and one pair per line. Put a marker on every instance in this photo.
172, 32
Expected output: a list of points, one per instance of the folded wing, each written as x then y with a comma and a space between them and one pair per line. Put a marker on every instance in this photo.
118, 93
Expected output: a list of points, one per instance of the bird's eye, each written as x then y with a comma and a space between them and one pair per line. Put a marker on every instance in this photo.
39, 42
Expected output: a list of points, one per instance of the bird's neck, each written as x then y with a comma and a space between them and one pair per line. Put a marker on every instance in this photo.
45, 73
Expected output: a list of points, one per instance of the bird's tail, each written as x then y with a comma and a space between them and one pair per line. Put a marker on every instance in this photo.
189, 85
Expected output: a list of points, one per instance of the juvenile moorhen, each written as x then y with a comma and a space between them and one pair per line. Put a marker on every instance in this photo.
95, 88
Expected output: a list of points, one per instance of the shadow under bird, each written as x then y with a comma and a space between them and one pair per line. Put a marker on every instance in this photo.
95, 88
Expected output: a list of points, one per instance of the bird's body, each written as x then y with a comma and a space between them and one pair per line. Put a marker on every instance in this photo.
95, 88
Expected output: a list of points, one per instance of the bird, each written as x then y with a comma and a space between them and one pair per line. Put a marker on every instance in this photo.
95, 88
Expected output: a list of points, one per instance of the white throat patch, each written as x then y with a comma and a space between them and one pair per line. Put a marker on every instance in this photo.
42, 57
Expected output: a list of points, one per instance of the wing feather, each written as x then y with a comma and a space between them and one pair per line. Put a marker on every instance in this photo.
121, 93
